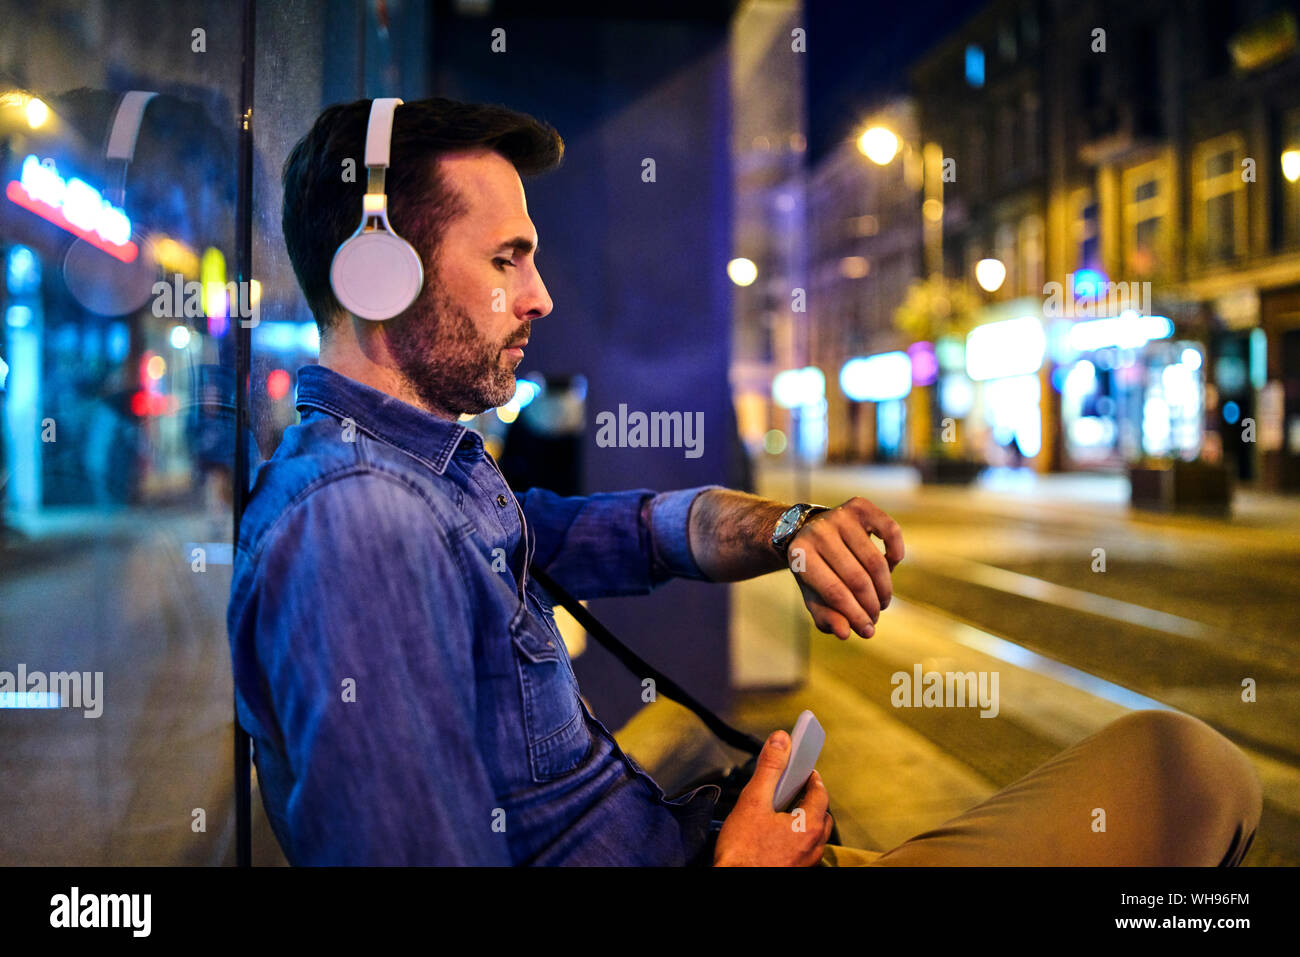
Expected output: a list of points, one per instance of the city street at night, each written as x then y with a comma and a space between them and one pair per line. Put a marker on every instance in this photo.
999, 576
479, 434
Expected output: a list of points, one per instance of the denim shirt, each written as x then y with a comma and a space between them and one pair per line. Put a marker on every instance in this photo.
409, 696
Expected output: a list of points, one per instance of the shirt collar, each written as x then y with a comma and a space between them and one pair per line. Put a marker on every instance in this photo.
430, 439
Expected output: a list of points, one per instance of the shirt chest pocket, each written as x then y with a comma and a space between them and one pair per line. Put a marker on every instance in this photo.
558, 739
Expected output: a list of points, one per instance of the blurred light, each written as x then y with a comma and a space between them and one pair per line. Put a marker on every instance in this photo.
878, 145
1011, 409
1011, 347
277, 384
1258, 358
1081, 380
212, 277
956, 395
75, 206
1126, 331
180, 337
155, 367
932, 210
1291, 165
1090, 431
951, 353
1191, 358
24, 271
1179, 383
854, 267
793, 388
525, 391
774, 442
287, 337
990, 274
974, 65
877, 378
118, 342
254, 292
925, 364
1087, 282
1231, 412
18, 317
174, 256
742, 271
37, 113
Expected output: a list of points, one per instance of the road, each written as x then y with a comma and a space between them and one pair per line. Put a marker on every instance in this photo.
1088, 609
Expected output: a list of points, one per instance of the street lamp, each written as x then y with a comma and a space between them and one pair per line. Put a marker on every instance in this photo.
742, 271
881, 145
878, 145
1291, 165
990, 274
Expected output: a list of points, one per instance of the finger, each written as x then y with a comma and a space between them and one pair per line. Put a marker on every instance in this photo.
852, 570
864, 549
816, 799
883, 526
767, 769
842, 583
827, 619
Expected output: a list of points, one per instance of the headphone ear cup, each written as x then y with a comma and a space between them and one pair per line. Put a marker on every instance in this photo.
106, 285
376, 275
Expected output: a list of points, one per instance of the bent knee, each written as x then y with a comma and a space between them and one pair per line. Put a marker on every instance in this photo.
1196, 759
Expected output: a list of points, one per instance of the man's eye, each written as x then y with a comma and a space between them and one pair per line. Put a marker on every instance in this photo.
499, 262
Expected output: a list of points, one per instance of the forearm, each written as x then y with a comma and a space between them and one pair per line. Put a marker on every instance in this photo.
731, 534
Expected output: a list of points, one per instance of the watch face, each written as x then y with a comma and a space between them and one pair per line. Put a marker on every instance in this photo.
787, 522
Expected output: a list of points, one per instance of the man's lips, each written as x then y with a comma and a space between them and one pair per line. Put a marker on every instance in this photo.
517, 348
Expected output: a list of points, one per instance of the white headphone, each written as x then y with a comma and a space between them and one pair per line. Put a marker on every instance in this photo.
99, 282
376, 274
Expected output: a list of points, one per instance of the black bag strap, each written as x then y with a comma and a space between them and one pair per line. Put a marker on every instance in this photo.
643, 669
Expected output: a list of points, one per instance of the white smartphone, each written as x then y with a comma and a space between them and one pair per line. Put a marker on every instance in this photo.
806, 742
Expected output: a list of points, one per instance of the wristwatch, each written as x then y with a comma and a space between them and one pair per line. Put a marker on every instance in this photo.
791, 520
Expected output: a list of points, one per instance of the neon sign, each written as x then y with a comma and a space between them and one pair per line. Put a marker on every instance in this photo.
73, 205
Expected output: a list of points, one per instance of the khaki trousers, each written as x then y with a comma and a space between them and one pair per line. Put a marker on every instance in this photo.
1150, 788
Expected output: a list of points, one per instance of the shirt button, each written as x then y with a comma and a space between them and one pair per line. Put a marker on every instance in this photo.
501, 500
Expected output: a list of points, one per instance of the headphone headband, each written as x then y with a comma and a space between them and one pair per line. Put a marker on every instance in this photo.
379, 134
126, 125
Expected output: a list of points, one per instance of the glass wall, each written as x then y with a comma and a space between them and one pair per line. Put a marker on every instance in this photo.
122, 302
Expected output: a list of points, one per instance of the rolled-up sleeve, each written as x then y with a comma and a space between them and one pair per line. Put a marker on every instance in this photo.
364, 647
613, 543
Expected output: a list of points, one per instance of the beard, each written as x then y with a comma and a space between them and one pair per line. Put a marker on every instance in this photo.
449, 364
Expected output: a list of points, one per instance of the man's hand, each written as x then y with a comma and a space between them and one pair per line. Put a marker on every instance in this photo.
753, 835
844, 578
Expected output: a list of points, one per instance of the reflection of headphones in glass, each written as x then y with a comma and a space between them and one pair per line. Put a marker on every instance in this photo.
376, 274
100, 282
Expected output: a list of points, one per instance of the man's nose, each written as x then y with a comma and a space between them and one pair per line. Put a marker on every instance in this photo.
536, 302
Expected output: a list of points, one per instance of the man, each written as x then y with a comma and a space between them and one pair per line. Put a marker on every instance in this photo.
410, 698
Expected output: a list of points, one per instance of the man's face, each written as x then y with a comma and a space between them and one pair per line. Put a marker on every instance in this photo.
461, 341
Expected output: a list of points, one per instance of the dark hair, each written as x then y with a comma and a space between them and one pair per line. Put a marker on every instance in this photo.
321, 210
